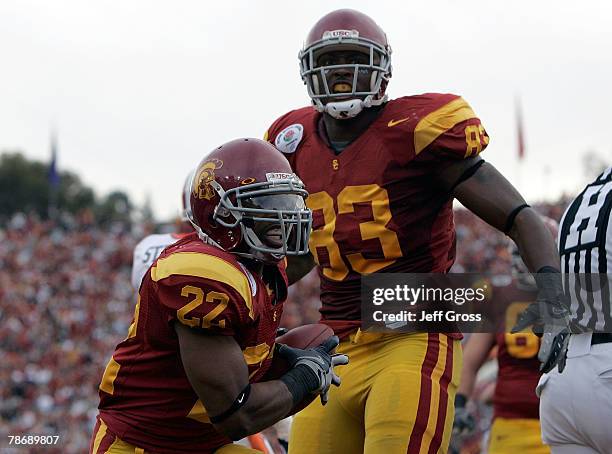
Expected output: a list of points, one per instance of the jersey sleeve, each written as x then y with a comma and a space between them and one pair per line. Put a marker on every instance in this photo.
275, 128
203, 292
288, 132
452, 131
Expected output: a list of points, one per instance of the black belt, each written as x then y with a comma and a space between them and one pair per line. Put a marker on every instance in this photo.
601, 338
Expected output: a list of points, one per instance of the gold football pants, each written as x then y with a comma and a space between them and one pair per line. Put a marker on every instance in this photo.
512, 436
397, 396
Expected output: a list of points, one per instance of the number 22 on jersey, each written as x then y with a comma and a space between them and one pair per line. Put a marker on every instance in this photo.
375, 228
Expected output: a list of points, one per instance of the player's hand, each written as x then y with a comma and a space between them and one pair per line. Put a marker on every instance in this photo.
319, 360
549, 318
464, 423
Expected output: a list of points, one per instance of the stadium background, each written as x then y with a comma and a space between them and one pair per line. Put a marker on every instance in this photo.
124, 91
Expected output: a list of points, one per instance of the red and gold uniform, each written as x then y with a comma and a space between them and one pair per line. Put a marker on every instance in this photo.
516, 424
377, 208
146, 400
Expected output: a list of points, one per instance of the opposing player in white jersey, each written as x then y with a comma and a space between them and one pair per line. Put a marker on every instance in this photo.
149, 248
576, 405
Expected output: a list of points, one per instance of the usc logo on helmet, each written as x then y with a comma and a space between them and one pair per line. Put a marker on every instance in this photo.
202, 188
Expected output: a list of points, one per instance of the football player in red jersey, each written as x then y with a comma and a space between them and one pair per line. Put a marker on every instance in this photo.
186, 378
516, 424
382, 175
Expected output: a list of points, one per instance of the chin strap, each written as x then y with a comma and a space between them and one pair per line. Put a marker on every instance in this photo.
350, 108
208, 240
203, 236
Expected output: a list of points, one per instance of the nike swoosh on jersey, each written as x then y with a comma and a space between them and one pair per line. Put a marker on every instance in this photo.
396, 122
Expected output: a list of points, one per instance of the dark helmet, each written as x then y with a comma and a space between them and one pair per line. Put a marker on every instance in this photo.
243, 194
346, 30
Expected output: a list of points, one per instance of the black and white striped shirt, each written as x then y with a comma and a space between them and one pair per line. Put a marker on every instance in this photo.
585, 246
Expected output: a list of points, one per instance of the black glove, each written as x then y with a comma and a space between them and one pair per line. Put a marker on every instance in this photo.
549, 317
464, 423
319, 361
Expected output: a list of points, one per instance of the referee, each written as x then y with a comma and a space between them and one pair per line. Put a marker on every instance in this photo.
576, 405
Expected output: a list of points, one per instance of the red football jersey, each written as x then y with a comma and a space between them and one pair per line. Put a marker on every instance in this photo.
517, 357
145, 396
376, 206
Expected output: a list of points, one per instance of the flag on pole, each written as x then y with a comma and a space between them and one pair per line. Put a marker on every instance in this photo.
53, 179
53, 176
520, 131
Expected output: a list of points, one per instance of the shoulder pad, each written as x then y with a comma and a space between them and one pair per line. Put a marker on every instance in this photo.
287, 132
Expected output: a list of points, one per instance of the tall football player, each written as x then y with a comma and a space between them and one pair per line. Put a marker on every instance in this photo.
186, 378
382, 175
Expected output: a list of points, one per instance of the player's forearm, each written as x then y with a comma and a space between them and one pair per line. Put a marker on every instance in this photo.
466, 386
268, 403
468, 375
489, 196
235, 408
534, 241
475, 353
499, 208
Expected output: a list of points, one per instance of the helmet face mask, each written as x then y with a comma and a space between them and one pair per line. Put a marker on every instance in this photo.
267, 211
245, 199
315, 75
346, 31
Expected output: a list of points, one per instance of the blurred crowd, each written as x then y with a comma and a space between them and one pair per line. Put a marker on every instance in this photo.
66, 301
481, 248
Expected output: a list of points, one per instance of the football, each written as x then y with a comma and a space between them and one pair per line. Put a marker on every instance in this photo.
305, 336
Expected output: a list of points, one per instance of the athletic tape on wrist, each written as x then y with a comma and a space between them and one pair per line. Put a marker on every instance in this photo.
300, 381
460, 400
